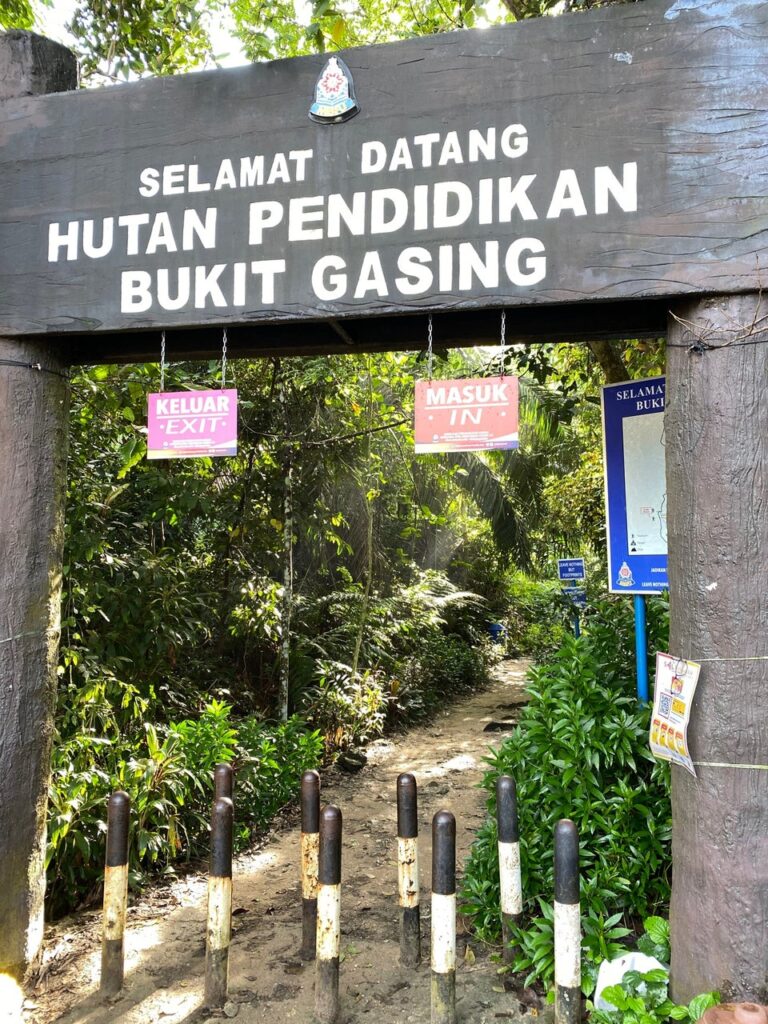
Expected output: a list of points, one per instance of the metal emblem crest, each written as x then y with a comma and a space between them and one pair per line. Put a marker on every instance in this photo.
334, 94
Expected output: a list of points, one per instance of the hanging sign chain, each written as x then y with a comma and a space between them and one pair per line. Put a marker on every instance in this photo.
224, 360
162, 361
429, 348
503, 340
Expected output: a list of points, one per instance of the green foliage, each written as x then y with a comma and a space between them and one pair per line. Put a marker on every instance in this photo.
538, 617
268, 766
580, 751
174, 595
655, 939
445, 666
124, 38
174, 599
167, 772
16, 14
347, 707
642, 998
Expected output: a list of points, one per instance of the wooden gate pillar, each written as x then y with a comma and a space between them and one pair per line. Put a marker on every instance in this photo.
717, 492
34, 405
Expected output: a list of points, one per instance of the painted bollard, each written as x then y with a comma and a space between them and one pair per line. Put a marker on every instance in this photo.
509, 860
222, 781
443, 918
328, 917
115, 893
310, 843
219, 926
567, 924
408, 870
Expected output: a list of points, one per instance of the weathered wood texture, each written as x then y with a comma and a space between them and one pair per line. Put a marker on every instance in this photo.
679, 88
34, 406
611, 321
717, 485
33, 66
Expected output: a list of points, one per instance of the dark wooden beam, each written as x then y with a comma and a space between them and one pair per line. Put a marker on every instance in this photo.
460, 329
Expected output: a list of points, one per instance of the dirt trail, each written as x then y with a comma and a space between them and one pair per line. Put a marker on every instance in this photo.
165, 941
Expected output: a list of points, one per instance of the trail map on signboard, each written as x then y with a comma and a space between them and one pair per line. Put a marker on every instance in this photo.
635, 486
645, 485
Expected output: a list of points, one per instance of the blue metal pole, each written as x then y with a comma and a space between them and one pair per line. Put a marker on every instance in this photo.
641, 649
576, 630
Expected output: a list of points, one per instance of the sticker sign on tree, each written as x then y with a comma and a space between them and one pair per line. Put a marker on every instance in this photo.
676, 681
466, 415
189, 424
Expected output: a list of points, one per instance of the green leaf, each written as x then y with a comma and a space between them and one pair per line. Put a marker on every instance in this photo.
700, 1004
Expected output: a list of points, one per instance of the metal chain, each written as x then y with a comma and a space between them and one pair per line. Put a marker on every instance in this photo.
162, 361
224, 360
503, 340
429, 348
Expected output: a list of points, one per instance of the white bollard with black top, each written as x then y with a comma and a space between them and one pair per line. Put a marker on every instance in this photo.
443, 918
328, 917
567, 924
509, 860
115, 894
408, 870
310, 845
219, 924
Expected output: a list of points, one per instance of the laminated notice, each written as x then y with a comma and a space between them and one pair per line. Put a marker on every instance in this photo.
676, 681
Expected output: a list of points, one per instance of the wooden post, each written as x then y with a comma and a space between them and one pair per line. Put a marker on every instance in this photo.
115, 894
567, 924
716, 431
310, 847
218, 933
34, 407
408, 870
443, 937
328, 917
510, 884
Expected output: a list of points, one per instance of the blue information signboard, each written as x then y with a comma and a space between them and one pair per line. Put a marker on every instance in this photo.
577, 596
635, 486
570, 568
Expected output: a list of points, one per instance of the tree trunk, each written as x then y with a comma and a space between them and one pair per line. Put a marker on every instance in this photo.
609, 360
34, 407
717, 486
368, 497
287, 602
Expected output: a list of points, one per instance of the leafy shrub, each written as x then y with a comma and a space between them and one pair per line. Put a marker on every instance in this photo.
538, 617
347, 708
580, 751
208, 740
167, 772
446, 666
269, 763
642, 997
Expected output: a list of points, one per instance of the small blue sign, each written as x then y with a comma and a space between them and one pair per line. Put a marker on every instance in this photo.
635, 486
571, 569
577, 595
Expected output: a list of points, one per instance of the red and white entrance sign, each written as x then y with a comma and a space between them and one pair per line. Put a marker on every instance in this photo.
466, 415
185, 424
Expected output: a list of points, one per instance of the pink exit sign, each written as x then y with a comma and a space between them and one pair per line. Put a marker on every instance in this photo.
185, 424
466, 415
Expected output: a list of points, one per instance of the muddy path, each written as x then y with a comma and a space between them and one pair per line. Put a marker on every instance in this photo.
165, 940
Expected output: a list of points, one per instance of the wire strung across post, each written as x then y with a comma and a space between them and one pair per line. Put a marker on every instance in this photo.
162, 361
429, 348
224, 360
